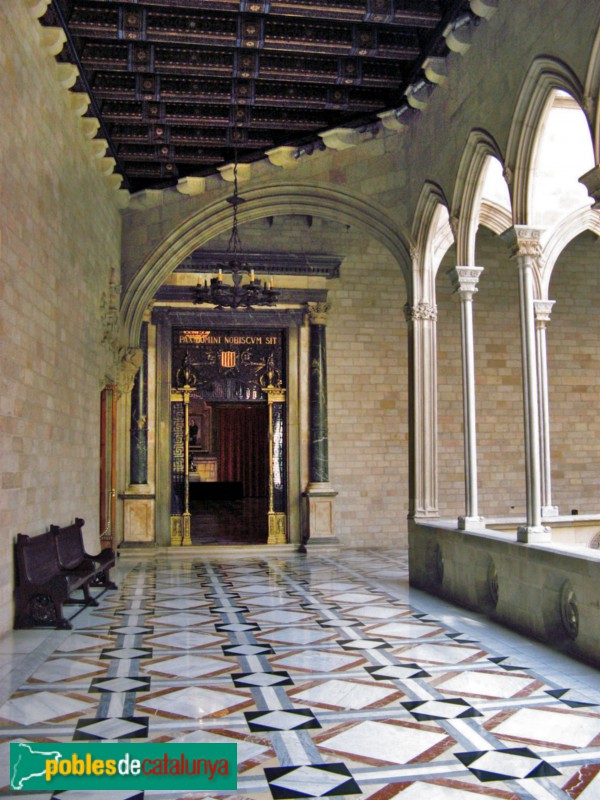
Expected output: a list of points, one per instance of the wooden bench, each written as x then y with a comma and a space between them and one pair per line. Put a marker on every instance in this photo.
72, 556
42, 586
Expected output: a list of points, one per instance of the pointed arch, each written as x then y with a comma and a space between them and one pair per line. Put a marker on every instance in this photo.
260, 202
545, 75
467, 192
570, 227
428, 246
592, 94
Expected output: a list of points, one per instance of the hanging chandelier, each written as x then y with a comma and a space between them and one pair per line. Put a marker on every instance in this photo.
236, 295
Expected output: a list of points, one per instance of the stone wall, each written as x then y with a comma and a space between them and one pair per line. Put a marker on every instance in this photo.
574, 377
59, 238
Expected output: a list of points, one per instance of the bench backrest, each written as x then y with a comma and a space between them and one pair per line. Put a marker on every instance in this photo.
69, 544
36, 558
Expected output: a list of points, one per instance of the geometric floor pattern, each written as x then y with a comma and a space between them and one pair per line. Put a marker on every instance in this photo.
328, 678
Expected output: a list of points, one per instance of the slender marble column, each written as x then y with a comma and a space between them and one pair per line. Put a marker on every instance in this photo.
464, 281
543, 309
138, 459
422, 337
319, 446
526, 249
319, 492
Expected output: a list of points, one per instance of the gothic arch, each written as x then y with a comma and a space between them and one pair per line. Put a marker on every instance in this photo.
260, 202
467, 192
545, 75
592, 94
494, 217
572, 226
425, 264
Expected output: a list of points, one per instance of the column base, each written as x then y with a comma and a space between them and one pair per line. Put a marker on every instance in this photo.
138, 516
550, 511
534, 534
320, 497
471, 523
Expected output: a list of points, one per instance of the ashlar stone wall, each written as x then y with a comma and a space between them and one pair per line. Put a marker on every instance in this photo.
59, 239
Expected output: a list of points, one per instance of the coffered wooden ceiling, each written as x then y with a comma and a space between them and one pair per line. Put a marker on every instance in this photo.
177, 84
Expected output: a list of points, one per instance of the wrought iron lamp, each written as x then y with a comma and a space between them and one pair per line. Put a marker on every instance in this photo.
239, 295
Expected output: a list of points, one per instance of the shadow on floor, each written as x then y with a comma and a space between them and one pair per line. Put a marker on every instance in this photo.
229, 522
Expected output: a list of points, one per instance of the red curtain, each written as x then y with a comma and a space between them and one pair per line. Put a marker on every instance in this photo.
243, 447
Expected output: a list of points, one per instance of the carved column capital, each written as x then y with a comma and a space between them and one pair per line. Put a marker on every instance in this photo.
130, 360
464, 281
523, 241
317, 313
422, 311
542, 310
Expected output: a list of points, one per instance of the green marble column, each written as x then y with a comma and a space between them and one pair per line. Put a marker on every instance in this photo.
319, 493
319, 446
138, 459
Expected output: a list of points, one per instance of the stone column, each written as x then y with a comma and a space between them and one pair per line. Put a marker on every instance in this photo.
319, 491
138, 499
422, 333
526, 251
464, 282
543, 309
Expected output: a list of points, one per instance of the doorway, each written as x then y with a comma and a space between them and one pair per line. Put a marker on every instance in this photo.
229, 506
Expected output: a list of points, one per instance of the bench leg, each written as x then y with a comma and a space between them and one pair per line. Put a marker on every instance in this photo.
102, 579
89, 600
41, 611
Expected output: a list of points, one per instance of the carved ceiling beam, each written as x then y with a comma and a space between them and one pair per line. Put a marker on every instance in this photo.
418, 14
187, 63
256, 32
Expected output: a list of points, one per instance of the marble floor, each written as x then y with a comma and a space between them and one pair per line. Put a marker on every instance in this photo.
331, 675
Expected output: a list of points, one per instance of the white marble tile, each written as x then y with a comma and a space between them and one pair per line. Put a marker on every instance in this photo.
184, 640
64, 669
345, 694
553, 727
188, 666
355, 597
296, 636
81, 641
183, 620
193, 702
179, 591
281, 617
438, 653
375, 611
246, 750
403, 630
180, 603
316, 661
485, 684
270, 601
395, 744
41, 707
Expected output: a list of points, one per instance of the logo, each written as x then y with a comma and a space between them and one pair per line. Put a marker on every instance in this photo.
115, 766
